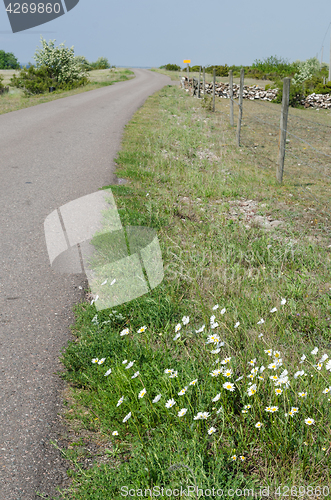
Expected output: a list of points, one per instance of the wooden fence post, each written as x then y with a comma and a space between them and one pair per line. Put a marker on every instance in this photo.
199, 83
214, 78
204, 82
241, 91
231, 96
283, 126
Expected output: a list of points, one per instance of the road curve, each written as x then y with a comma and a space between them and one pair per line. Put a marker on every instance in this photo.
50, 154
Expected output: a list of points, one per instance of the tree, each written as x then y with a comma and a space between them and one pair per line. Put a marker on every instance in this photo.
60, 62
8, 60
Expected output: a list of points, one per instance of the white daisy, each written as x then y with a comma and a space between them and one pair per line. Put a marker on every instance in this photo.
101, 361
170, 403
178, 327
115, 433
193, 382
142, 329
274, 309
211, 431
216, 373
215, 351
95, 360
237, 324
200, 329
258, 425
124, 332
124, 362
120, 401
108, 372
328, 365
182, 392
142, 393
323, 358
127, 417
303, 357
215, 307
185, 320
315, 350
216, 398
283, 301
182, 412
251, 390
223, 311
298, 374
214, 325
129, 365
260, 322
173, 375
176, 337
229, 386
157, 398
309, 421
135, 375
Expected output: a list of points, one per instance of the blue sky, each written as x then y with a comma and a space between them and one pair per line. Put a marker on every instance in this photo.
149, 33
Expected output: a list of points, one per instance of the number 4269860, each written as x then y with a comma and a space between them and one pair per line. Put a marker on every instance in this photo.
33, 8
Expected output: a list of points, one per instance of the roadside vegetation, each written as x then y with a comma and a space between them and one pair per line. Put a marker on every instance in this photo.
307, 77
220, 377
56, 68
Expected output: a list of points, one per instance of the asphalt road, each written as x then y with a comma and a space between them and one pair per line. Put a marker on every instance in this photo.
50, 154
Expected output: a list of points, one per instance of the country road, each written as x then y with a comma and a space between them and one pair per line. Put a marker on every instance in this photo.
50, 154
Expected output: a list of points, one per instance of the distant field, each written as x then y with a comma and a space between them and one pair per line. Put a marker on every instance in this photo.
176, 75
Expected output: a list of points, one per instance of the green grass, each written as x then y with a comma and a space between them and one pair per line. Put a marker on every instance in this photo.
15, 99
186, 179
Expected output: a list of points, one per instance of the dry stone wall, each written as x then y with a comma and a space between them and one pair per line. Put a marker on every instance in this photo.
318, 101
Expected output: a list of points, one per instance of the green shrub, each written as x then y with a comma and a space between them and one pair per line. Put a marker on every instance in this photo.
321, 88
83, 63
297, 94
33, 80
101, 63
36, 81
1, 84
275, 67
219, 70
171, 67
60, 62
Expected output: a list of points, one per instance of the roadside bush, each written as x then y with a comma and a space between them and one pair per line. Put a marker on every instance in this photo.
274, 67
321, 88
60, 62
83, 63
101, 63
33, 80
219, 70
297, 94
306, 70
171, 67
36, 81
1, 84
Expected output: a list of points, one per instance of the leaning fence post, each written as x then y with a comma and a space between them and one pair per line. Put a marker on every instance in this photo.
199, 83
204, 81
241, 91
283, 127
214, 78
231, 96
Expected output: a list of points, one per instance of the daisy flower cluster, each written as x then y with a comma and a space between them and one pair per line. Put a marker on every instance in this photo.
259, 393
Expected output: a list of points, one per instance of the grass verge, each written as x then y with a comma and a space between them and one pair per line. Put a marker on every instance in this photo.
220, 377
15, 99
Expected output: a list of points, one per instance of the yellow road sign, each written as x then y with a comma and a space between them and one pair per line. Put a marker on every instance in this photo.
187, 61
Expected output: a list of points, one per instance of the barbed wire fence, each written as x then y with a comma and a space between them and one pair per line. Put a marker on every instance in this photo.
318, 162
